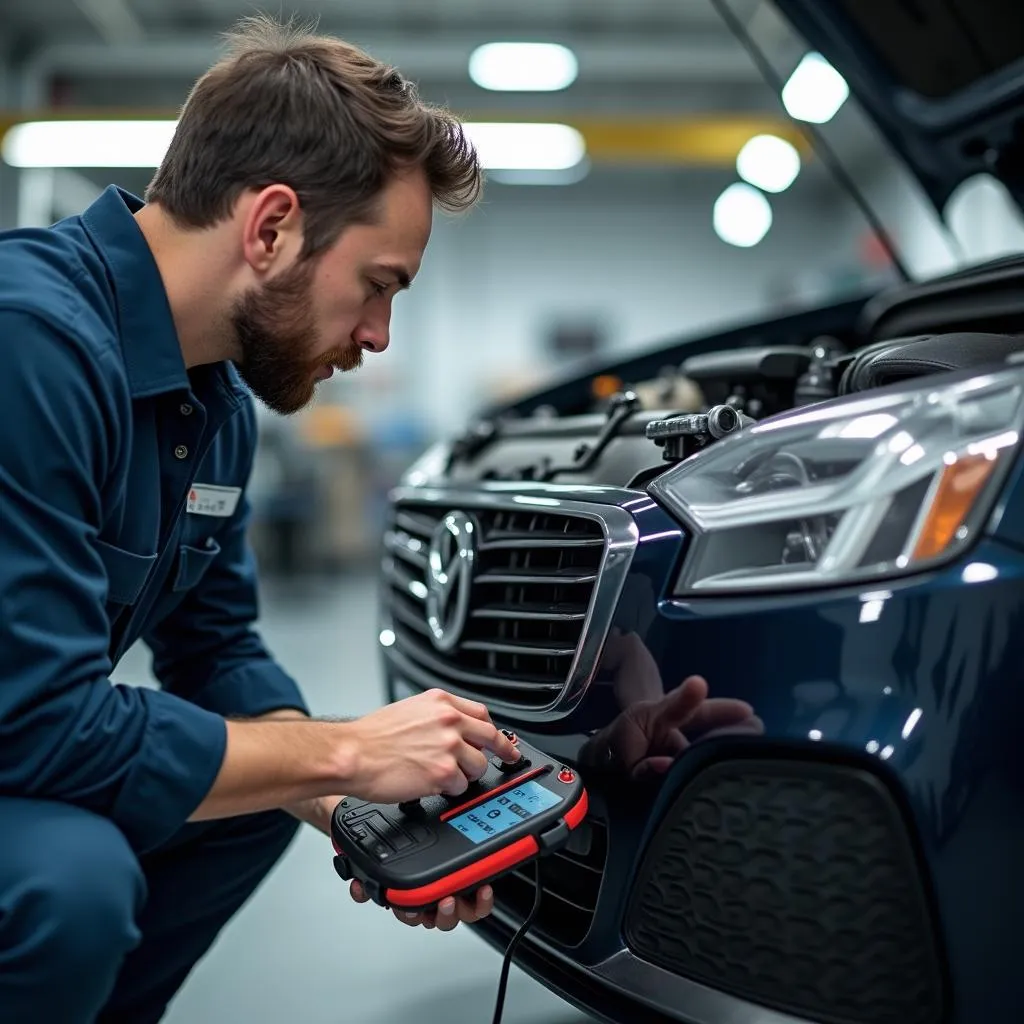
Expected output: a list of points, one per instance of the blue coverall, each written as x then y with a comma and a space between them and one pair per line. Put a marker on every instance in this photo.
122, 516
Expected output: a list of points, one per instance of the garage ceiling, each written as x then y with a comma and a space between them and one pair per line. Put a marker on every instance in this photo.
670, 65
642, 56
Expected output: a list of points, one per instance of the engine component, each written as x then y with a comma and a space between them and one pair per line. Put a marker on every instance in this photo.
681, 436
758, 381
620, 408
476, 438
820, 381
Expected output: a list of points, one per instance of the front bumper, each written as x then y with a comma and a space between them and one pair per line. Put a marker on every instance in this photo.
914, 683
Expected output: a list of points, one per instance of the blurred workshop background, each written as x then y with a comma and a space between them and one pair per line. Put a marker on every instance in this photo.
644, 184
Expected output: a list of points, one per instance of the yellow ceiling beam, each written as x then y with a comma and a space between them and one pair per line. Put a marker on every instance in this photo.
691, 140
707, 141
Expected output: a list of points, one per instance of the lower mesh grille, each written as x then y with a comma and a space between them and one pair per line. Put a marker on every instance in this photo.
570, 879
793, 885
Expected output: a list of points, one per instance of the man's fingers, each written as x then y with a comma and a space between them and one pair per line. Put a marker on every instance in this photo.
651, 766
484, 901
752, 726
451, 911
485, 736
472, 762
478, 729
468, 707
357, 893
669, 742
447, 914
719, 713
679, 706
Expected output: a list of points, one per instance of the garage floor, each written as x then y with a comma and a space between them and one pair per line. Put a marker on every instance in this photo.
301, 951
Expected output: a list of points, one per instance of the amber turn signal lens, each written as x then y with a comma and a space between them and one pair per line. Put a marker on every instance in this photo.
959, 486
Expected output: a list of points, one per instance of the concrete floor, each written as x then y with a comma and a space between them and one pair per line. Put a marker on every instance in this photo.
301, 951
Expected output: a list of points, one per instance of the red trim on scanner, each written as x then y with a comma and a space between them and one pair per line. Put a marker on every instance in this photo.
575, 815
487, 867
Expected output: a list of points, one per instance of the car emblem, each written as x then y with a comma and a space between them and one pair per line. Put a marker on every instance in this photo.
450, 564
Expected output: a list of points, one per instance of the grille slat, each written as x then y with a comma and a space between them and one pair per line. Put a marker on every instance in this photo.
410, 549
411, 617
481, 683
497, 648
404, 581
534, 580
567, 577
421, 524
523, 544
538, 613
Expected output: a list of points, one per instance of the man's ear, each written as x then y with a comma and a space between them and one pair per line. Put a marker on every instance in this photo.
272, 229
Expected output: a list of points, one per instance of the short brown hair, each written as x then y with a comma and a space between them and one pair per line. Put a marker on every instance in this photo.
315, 113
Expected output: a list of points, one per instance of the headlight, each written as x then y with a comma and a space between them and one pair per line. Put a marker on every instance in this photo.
886, 484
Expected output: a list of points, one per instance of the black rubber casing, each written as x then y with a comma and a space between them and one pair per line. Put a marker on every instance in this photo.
412, 856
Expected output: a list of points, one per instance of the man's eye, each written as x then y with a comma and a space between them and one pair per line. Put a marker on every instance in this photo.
378, 288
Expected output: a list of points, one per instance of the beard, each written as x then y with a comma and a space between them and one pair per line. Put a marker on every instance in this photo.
277, 334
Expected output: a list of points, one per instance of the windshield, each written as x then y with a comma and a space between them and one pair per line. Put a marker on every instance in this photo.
981, 221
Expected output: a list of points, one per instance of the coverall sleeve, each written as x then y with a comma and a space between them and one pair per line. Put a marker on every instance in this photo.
143, 758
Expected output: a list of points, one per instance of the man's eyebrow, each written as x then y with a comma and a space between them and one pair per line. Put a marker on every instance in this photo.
400, 274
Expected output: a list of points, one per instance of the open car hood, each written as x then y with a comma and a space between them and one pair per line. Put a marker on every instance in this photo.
943, 79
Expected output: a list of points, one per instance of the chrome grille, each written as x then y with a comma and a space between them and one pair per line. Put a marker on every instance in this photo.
535, 578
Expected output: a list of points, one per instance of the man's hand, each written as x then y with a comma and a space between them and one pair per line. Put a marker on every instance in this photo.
425, 745
650, 735
450, 911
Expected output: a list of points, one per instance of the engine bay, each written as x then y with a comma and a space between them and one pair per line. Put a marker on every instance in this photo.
625, 425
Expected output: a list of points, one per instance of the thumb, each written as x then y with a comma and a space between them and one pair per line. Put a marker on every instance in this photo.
679, 706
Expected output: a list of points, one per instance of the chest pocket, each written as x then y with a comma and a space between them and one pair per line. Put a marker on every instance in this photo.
127, 572
193, 561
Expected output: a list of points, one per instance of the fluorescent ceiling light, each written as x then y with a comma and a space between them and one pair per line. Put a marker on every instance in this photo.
570, 176
523, 67
742, 215
768, 162
87, 143
73, 143
526, 147
815, 90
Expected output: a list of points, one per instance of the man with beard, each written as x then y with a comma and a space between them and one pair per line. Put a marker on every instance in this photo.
294, 202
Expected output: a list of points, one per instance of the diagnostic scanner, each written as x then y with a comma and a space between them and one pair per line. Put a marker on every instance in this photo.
415, 854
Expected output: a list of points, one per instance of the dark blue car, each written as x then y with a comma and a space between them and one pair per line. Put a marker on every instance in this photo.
780, 633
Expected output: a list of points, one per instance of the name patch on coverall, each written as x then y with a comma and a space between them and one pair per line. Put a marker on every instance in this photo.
210, 500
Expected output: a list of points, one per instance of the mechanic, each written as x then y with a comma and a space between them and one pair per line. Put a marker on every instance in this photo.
294, 202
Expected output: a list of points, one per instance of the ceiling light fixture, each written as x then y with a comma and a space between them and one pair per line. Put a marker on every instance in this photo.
742, 215
76, 143
769, 163
523, 67
815, 91
83, 144
526, 147
569, 176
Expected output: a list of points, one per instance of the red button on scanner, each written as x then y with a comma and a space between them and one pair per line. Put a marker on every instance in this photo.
511, 737
566, 775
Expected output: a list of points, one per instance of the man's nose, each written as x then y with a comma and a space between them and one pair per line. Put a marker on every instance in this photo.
375, 335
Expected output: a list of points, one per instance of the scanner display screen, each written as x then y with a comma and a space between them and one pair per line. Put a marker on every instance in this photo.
500, 813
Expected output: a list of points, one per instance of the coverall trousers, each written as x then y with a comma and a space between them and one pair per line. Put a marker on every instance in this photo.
90, 933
